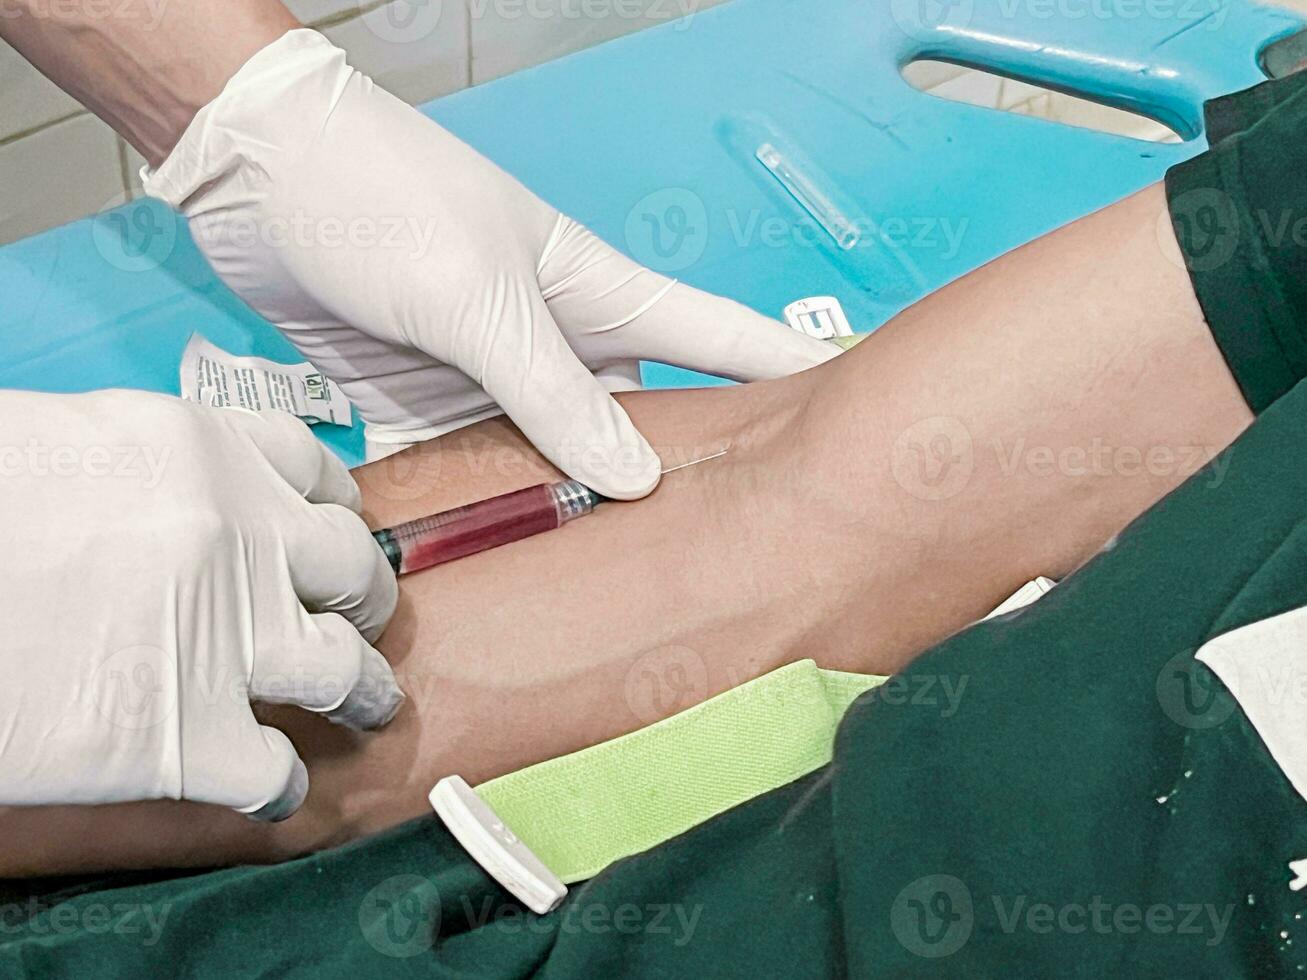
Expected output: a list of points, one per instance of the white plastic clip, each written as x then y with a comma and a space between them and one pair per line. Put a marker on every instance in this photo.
1299, 869
818, 316
495, 847
1024, 596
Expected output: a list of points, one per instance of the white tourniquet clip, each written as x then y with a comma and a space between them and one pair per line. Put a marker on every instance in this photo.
818, 316
495, 847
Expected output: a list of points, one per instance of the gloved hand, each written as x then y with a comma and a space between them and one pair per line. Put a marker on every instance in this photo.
429, 283
165, 563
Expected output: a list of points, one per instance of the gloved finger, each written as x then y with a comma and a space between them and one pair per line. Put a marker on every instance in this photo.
693, 329
244, 765
312, 469
592, 288
280, 781
610, 306
453, 400
620, 376
561, 408
324, 665
337, 566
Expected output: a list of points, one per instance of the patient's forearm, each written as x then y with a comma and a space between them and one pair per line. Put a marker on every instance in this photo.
1077, 383
1003, 428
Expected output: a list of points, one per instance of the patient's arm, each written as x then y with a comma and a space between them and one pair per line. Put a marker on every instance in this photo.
1003, 428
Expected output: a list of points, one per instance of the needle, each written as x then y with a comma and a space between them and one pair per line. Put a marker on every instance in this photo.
485, 524
695, 462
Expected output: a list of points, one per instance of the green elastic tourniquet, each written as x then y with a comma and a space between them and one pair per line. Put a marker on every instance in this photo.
1240, 215
581, 812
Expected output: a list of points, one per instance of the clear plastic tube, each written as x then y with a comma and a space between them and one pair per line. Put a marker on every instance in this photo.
486, 524
804, 188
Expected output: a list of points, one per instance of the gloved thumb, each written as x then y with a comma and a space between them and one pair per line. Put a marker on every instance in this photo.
562, 409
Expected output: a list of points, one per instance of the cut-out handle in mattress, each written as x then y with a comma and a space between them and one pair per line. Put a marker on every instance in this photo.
1129, 86
1161, 63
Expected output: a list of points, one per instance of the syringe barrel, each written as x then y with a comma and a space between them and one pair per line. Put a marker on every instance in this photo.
486, 524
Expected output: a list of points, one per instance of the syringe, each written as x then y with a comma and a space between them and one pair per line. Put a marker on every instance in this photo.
483, 525
486, 524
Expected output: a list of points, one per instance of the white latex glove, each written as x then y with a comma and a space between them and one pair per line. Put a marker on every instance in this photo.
429, 283
164, 563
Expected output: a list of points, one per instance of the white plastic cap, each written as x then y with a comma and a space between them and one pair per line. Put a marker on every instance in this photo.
495, 847
1024, 596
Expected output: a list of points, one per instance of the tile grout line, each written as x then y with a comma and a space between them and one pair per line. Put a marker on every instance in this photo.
41, 127
123, 169
467, 43
341, 16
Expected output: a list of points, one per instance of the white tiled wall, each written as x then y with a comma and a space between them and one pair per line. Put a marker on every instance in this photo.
58, 172
58, 163
416, 53
508, 35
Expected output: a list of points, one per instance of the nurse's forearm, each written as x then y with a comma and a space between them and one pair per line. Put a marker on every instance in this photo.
143, 66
